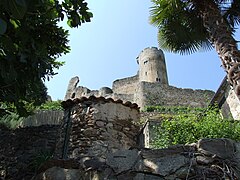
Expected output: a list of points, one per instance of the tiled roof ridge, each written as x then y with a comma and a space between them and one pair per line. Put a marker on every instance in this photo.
70, 102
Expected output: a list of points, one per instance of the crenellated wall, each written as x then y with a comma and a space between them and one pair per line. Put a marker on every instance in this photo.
149, 87
146, 93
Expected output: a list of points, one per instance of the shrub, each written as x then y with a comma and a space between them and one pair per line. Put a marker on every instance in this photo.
40, 158
11, 120
188, 128
172, 109
51, 105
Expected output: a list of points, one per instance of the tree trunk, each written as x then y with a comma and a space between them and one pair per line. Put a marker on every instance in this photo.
222, 39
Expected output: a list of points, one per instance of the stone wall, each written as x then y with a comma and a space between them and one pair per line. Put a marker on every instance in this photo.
43, 117
71, 87
146, 93
124, 97
206, 159
23, 148
99, 139
100, 148
227, 101
156, 94
126, 85
97, 126
234, 104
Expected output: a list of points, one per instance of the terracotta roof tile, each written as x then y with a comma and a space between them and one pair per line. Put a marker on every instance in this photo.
71, 102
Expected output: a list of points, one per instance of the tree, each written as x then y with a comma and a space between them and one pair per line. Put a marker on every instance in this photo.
186, 26
30, 43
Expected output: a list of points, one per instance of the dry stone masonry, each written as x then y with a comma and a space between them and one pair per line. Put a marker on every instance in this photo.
97, 126
43, 117
23, 149
207, 159
106, 147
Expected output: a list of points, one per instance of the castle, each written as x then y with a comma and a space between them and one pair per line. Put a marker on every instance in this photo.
99, 137
148, 87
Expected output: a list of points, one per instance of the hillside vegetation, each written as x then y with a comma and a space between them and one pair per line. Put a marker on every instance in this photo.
184, 125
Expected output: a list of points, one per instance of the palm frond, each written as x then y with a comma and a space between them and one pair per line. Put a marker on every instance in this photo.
232, 13
180, 28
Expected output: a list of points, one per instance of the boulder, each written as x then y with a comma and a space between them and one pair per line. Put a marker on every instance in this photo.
222, 148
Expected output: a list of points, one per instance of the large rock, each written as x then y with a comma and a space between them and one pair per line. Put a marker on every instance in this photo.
222, 148
58, 173
163, 166
122, 160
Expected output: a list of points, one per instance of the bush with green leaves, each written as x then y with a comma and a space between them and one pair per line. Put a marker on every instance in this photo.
188, 128
172, 109
51, 105
40, 158
11, 120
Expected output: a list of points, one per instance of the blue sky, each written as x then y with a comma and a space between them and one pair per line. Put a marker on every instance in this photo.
106, 49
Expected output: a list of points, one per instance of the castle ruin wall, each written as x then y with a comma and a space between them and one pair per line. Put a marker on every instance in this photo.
124, 97
125, 85
148, 87
227, 101
157, 94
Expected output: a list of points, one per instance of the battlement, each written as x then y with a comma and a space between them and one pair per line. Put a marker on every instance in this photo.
148, 87
154, 52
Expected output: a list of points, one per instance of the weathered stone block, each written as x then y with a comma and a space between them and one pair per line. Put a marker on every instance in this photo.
164, 165
122, 160
222, 148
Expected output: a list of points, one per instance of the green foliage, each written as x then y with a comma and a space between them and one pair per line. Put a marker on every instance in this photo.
30, 43
188, 128
182, 27
11, 120
181, 30
51, 105
40, 158
172, 109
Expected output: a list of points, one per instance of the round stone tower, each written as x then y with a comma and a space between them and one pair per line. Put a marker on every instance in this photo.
152, 66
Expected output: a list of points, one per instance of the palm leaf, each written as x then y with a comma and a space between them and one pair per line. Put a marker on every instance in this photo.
232, 13
180, 29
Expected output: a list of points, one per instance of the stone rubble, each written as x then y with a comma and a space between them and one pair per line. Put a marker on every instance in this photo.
176, 162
